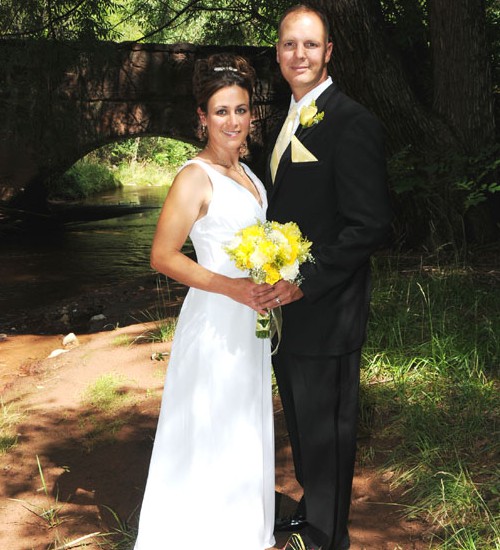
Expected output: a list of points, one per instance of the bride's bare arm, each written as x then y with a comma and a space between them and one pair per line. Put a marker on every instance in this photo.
186, 202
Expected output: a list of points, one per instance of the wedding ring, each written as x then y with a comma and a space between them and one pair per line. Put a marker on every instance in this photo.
277, 300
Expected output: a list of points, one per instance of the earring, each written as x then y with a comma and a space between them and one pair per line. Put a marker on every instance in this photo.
204, 133
243, 149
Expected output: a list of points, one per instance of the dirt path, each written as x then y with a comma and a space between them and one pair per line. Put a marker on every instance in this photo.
96, 462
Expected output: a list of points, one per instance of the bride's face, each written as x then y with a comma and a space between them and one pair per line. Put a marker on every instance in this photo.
227, 118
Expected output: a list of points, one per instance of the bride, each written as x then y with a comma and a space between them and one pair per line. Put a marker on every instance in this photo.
212, 468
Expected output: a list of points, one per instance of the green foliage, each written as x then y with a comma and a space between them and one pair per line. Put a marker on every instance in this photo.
442, 190
137, 161
143, 161
250, 21
430, 390
83, 179
222, 22
58, 19
158, 150
456, 175
144, 174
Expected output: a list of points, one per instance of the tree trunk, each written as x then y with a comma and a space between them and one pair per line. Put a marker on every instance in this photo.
463, 93
459, 121
370, 71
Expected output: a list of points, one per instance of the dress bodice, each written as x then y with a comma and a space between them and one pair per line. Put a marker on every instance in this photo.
231, 208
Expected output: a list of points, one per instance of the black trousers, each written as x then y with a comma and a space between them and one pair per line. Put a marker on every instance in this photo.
320, 402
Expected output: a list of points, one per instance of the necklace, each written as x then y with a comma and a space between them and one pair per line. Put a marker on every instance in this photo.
238, 168
242, 173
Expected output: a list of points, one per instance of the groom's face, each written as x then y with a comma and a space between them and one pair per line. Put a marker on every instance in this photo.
303, 51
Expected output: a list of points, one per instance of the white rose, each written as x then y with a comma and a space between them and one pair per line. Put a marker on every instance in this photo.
278, 237
290, 272
257, 258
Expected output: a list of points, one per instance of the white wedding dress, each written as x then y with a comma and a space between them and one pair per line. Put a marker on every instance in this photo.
211, 478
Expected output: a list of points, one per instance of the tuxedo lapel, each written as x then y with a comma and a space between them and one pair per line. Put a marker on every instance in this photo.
301, 133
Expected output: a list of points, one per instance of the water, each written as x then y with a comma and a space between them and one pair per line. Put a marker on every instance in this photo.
37, 269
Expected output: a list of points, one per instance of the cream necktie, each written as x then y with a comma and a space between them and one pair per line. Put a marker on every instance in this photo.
283, 140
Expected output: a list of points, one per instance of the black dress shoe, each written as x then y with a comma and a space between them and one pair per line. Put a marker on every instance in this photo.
290, 523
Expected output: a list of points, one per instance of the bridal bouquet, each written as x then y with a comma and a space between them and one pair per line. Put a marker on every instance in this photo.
270, 251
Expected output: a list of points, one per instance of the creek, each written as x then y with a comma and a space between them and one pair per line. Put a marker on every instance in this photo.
38, 268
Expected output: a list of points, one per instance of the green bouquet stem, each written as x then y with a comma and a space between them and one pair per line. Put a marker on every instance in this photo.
263, 327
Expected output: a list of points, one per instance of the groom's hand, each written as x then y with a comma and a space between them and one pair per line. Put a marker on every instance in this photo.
279, 294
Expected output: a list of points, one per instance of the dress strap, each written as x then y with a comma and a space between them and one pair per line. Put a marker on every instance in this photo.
209, 169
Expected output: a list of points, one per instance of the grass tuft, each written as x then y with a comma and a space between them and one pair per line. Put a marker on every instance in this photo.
430, 390
162, 320
122, 536
9, 419
123, 340
106, 393
106, 400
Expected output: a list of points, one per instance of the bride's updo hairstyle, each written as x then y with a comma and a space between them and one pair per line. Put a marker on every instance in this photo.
219, 71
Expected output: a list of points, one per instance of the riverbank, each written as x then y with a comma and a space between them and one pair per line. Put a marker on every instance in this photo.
30, 334
104, 307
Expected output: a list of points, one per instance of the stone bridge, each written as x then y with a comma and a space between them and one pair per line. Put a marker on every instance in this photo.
59, 101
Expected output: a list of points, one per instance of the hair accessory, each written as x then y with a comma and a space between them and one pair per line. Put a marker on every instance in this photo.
219, 69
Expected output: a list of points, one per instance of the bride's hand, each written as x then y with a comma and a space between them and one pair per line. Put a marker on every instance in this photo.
245, 291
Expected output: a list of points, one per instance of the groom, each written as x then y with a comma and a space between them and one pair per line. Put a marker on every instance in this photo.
329, 177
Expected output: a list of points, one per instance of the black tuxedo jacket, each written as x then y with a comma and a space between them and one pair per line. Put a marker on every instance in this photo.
341, 204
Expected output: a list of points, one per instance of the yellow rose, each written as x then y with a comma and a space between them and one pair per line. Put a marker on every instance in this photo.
307, 114
272, 274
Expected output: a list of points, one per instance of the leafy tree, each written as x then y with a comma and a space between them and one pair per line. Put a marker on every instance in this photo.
58, 19
427, 68
222, 22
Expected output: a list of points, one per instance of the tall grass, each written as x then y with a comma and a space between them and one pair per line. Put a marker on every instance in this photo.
430, 392
162, 319
9, 419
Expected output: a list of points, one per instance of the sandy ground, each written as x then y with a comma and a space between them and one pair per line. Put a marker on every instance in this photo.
94, 463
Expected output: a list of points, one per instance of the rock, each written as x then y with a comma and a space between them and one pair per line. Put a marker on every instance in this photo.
70, 340
99, 317
57, 352
64, 319
3, 337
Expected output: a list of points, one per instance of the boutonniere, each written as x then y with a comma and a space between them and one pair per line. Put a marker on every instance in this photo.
309, 115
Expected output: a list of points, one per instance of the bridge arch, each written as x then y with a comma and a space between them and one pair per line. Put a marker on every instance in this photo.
59, 101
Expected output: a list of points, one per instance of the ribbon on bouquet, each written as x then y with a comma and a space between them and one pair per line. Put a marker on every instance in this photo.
276, 324
269, 326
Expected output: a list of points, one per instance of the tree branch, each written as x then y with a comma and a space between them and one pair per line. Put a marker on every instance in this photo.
49, 24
